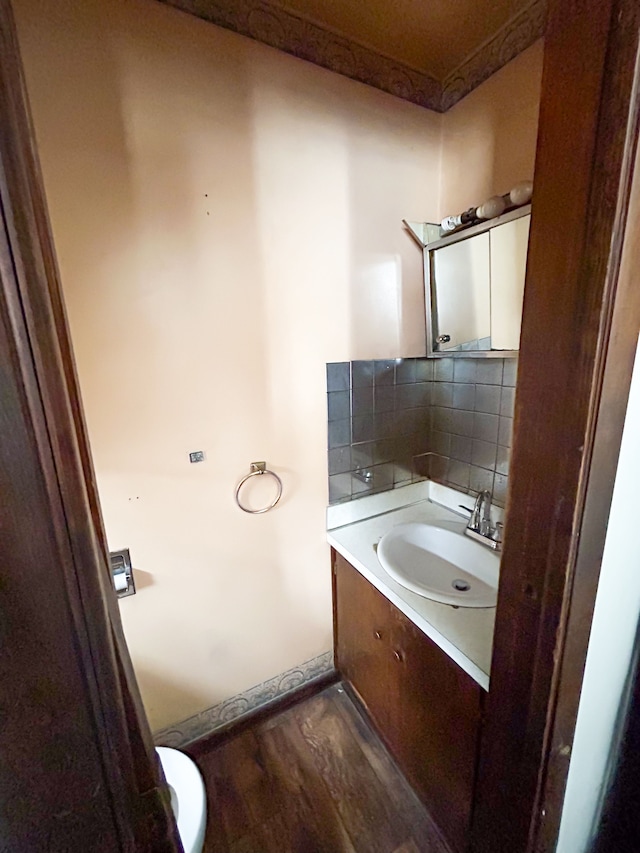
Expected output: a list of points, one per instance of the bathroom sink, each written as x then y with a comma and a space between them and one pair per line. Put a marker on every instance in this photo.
440, 563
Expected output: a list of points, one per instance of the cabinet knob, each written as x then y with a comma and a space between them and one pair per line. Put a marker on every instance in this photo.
377, 635
397, 655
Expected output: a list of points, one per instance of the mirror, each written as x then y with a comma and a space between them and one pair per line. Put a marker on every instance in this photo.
474, 285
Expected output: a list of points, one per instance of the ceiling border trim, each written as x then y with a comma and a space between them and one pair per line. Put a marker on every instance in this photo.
515, 36
264, 22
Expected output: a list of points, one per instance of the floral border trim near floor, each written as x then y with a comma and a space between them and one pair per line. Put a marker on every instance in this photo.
208, 721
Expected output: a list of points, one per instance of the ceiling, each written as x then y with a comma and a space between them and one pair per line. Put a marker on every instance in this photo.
430, 52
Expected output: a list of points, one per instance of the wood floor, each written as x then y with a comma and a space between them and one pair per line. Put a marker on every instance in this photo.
312, 779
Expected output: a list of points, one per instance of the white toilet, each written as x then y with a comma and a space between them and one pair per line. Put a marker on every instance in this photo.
188, 799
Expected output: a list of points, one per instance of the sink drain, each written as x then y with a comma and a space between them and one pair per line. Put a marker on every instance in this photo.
461, 586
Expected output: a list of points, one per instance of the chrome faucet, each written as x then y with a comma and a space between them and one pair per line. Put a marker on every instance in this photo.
479, 526
480, 521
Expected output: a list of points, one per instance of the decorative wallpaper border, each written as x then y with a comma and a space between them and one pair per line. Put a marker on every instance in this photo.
267, 23
208, 721
512, 39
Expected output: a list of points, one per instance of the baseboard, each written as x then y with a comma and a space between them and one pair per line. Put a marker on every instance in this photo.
262, 700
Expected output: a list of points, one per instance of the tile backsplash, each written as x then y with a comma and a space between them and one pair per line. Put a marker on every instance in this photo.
393, 422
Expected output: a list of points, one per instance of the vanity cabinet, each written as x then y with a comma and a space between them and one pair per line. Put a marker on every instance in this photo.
424, 706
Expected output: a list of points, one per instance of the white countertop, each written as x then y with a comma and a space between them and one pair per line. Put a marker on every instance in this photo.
464, 633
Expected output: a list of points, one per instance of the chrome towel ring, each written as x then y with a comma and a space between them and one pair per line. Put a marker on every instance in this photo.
258, 468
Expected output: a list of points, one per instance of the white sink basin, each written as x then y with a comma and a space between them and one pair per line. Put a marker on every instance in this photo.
441, 563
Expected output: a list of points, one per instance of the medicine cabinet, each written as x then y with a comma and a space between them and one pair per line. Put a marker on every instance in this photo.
474, 285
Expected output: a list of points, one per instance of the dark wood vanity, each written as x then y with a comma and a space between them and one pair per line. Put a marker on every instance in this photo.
425, 707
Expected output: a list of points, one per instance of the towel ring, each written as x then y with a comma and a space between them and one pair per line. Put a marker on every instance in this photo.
258, 468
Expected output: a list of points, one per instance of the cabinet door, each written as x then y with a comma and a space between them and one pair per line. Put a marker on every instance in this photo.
425, 707
435, 722
462, 291
363, 645
509, 244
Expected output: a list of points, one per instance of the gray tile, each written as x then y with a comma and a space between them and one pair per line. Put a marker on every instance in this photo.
461, 447
386, 425
503, 460
461, 422
442, 419
422, 418
470, 346
488, 399
438, 467
507, 401
484, 343
339, 488
485, 427
361, 374
510, 371
500, 487
440, 442
424, 392
408, 422
424, 369
338, 376
458, 473
384, 398
340, 433
420, 464
443, 370
405, 371
338, 405
362, 428
362, 455
384, 450
464, 370
362, 482
418, 442
464, 396
489, 371
480, 479
384, 372
361, 401
383, 476
504, 431
402, 474
483, 454
442, 394
407, 397
340, 460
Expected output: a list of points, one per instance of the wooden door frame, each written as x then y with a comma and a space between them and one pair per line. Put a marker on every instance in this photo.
45, 406
571, 341
579, 334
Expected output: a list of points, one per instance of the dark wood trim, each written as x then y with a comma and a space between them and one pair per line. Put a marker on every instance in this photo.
293, 34
624, 325
586, 147
235, 727
45, 416
334, 606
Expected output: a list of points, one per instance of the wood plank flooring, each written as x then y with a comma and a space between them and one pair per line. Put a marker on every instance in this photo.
311, 779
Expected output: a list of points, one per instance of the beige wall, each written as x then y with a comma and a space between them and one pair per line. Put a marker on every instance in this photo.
227, 220
489, 138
